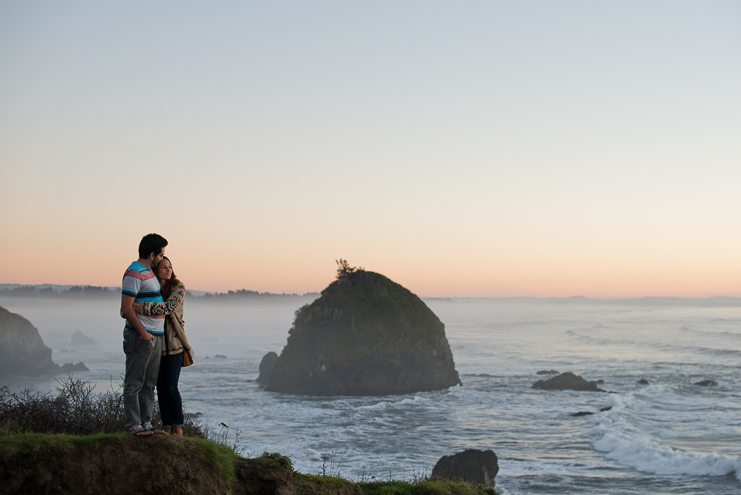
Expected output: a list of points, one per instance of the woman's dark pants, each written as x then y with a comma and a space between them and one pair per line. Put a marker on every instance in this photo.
168, 395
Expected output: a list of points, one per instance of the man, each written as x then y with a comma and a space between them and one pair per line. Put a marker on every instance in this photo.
142, 336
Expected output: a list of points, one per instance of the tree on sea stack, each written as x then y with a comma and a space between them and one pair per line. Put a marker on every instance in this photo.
365, 335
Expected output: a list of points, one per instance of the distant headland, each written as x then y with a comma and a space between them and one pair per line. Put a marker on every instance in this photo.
242, 295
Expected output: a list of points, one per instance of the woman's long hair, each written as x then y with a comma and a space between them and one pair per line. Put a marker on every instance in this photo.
169, 285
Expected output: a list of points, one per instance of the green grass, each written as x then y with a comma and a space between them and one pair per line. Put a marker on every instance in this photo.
274, 459
424, 487
215, 455
28, 442
219, 456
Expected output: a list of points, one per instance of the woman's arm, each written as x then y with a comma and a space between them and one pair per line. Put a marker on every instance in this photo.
164, 308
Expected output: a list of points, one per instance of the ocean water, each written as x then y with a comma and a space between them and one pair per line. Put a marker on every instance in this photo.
667, 437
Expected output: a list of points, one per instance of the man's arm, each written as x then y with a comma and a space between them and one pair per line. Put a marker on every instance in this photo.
127, 310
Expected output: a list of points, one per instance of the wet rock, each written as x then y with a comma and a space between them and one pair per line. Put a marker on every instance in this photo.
547, 372
642, 381
219, 356
266, 367
582, 413
79, 338
70, 368
194, 415
603, 409
567, 381
707, 383
477, 467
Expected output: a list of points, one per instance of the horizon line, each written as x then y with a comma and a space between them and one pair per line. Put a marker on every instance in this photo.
201, 293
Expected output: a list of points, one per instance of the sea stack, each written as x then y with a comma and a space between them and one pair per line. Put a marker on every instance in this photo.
365, 335
22, 352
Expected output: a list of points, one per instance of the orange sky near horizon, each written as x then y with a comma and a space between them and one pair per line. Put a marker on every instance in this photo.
501, 272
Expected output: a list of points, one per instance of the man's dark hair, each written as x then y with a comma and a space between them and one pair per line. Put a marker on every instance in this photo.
151, 243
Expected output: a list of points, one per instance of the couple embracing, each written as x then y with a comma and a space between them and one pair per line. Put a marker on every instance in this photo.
154, 340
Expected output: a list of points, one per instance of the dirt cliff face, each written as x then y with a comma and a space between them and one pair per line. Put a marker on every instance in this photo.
365, 335
160, 465
22, 352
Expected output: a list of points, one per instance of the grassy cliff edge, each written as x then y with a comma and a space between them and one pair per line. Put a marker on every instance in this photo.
119, 464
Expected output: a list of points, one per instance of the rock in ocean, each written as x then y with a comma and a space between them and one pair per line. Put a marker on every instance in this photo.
365, 335
567, 381
478, 467
22, 352
266, 367
71, 367
79, 338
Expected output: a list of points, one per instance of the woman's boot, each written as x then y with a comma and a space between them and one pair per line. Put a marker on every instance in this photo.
177, 430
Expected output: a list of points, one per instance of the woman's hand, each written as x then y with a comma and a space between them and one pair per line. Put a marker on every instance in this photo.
137, 307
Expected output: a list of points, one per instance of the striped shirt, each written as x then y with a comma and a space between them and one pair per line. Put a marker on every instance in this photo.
140, 283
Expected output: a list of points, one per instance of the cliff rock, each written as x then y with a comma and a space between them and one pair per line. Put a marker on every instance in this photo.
365, 335
266, 367
22, 352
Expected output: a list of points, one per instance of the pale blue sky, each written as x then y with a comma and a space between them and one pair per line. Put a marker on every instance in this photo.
467, 148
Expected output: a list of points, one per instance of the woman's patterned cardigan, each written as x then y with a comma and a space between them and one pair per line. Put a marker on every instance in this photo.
175, 339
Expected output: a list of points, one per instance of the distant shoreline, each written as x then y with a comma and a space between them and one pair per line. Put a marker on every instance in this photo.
53, 291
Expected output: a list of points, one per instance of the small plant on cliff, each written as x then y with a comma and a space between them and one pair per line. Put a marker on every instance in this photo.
333, 469
222, 437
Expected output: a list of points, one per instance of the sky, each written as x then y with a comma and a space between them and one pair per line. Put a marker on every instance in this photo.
479, 148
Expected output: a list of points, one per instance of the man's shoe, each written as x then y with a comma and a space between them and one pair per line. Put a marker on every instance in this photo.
176, 430
168, 431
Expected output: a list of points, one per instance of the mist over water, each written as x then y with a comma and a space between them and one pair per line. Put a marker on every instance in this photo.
667, 437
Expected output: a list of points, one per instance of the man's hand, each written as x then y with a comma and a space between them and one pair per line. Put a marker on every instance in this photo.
127, 309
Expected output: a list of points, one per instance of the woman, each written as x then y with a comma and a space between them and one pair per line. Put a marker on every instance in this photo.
175, 342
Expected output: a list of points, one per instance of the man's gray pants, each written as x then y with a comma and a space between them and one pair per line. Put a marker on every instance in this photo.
142, 367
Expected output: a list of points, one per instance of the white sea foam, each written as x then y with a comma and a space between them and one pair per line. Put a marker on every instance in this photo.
313, 455
383, 405
625, 436
649, 456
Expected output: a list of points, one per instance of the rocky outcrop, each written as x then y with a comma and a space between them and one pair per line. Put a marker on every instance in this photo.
478, 467
22, 352
70, 367
266, 367
707, 383
365, 335
567, 381
582, 413
79, 338
547, 372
